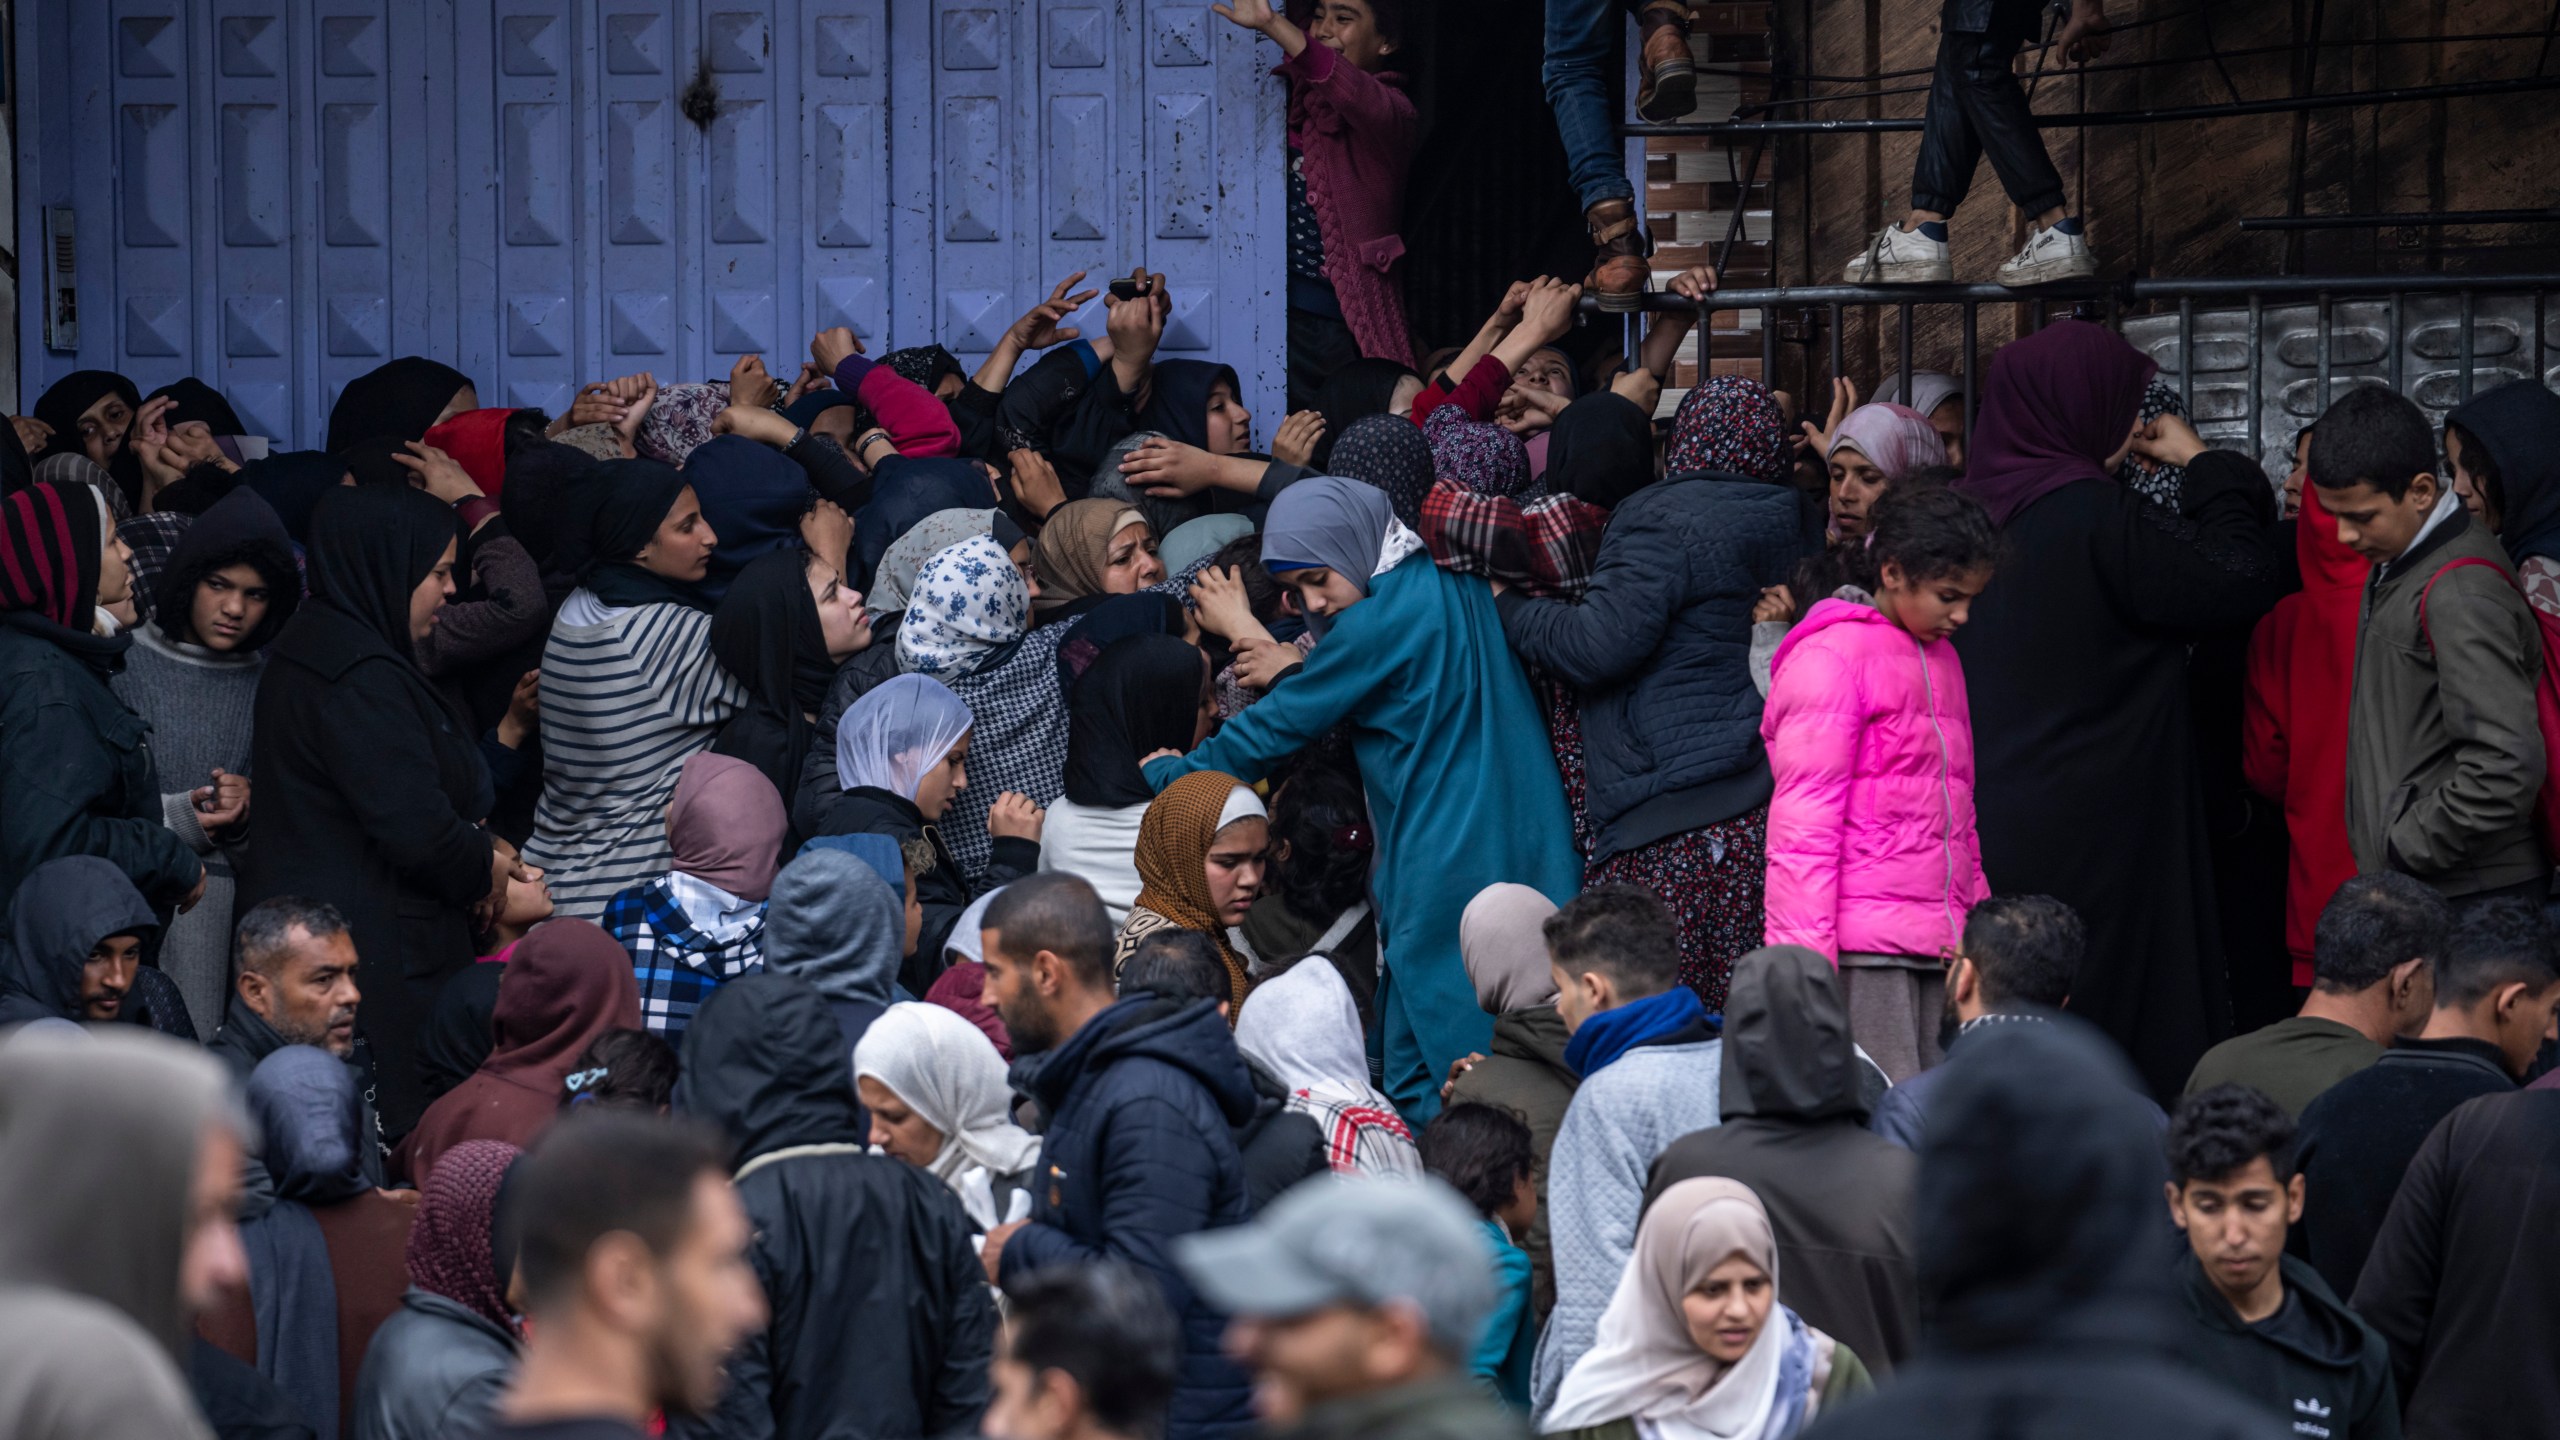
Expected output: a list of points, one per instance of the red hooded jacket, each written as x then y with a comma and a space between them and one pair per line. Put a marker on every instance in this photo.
2302, 671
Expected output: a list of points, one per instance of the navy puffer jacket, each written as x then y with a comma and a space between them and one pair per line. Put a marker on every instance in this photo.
1140, 1149
1660, 650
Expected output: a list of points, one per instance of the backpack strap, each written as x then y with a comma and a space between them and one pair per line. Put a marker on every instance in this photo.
2441, 570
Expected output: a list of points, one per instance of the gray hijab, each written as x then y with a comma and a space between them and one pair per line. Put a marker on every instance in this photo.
1328, 521
835, 923
98, 1141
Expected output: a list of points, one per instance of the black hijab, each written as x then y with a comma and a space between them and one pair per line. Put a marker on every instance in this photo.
1178, 405
1365, 387
401, 399
369, 460
609, 519
766, 634
199, 401
371, 546
905, 489
1600, 450
67, 399
1108, 619
238, 529
540, 480
1141, 695
292, 482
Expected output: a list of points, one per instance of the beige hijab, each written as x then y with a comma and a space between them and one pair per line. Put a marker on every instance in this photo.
1643, 1365
1075, 546
1504, 949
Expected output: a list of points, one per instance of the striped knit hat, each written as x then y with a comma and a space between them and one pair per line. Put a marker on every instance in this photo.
49, 543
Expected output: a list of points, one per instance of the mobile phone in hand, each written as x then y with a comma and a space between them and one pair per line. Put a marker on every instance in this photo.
1131, 289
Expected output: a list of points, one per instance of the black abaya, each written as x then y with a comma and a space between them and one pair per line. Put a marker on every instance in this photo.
2076, 663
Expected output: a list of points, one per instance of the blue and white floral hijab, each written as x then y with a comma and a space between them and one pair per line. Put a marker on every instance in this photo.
968, 602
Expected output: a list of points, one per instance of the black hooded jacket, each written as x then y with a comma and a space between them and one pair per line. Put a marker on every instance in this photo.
1139, 1150
1838, 1195
59, 915
882, 1324
2320, 1365
2044, 1255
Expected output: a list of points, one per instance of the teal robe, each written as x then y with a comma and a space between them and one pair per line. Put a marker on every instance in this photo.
1462, 787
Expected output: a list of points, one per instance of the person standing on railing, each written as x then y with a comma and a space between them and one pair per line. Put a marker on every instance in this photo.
1581, 73
1976, 106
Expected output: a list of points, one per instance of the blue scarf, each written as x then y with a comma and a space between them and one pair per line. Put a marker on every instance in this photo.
1612, 1033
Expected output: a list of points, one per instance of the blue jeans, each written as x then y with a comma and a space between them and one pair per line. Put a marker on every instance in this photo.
1582, 74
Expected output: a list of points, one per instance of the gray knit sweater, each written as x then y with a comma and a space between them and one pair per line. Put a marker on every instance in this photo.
198, 704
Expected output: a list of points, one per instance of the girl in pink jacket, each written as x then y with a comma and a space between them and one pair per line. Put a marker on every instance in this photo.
1873, 858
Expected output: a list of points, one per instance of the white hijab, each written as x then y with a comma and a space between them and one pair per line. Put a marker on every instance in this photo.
1303, 1026
949, 1073
1643, 1365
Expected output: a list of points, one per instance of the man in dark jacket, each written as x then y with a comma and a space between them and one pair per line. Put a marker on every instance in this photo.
881, 1322
2263, 1321
1142, 1097
2497, 984
1279, 1146
2020, 952
2443, 756
2044, 1269
2460, 1281
1838, 1196
76, 932
294, 984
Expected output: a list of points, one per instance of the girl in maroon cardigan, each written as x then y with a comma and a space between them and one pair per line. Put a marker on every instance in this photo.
1351, 138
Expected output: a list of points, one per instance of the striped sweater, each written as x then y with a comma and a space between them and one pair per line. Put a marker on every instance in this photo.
626, 700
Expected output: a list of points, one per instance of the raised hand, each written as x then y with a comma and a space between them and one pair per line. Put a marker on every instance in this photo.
437, 473
1295, 442
749, 384
830, 347
1038, 329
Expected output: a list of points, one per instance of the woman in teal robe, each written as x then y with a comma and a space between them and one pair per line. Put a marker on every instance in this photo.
1461, 780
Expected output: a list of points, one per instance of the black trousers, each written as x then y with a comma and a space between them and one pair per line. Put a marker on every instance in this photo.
1977, 107
1318, 345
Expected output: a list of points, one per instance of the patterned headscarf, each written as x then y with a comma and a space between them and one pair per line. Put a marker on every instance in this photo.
969, 602
1483, 457
450, 1245
50, 541
923, 364
905, 557
679, 420
1173, 860
2160, 484
1732, 425
1388, 451
1895, 439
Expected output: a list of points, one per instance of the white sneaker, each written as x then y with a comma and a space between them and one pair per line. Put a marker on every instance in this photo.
1901, 257
2050, 255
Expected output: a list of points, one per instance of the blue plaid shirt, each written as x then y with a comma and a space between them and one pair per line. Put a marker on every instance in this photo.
676, 961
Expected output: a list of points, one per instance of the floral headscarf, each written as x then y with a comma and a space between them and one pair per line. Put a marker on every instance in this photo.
1732, 425
1485, 458
679, 420
968, 602
1387, 451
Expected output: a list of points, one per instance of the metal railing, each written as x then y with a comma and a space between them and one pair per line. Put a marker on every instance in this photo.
2167, 317
2073, 119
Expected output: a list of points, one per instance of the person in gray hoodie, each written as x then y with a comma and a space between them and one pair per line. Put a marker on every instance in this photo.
834, 922
1795, 1131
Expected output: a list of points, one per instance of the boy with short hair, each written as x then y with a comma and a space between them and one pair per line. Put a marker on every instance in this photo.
1486, 1156
2444, 748
2263, 1321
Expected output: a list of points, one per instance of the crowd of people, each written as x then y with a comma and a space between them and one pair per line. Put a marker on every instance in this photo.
925, 901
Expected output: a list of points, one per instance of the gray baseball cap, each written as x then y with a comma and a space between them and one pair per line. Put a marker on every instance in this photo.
1352, 1240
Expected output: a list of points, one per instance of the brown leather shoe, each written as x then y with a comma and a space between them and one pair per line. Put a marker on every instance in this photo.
1620, 270
1667, 87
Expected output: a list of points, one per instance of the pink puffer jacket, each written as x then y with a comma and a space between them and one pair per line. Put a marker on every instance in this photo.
1872, 844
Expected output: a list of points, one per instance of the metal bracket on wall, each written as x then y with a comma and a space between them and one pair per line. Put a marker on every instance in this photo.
61, 280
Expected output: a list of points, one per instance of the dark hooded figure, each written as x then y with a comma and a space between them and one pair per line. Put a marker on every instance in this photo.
192, 675
882, 1324
535, 504
403, 398
325, 1262
199, 404
292, 482
767, 635
2507, 470
57, 921
2045, 1261
752, 496
77, 775
1795, 1131
92, 413
2076, 662
1365, 387
836, 923
907, 489
370, 787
